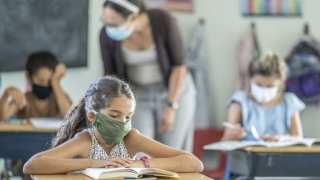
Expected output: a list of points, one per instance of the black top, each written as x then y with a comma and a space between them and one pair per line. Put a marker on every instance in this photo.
167, 41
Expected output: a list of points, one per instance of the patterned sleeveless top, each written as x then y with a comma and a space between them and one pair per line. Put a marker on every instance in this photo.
97, 151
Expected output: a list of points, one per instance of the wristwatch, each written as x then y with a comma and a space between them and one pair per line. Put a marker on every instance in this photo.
173, 105
146, 161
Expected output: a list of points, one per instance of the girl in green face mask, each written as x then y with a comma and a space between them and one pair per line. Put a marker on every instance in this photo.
98, 133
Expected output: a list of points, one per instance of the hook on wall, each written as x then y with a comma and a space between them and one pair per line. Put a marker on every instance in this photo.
202, 21
253, 25
306, 29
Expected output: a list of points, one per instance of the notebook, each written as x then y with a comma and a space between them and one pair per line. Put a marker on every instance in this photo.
121, 173
232, 145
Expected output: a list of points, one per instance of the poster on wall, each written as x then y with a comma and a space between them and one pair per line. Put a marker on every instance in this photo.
270, 7
186, 6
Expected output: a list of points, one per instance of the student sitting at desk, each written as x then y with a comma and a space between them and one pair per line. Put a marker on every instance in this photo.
266, 112
46, 98
98, 133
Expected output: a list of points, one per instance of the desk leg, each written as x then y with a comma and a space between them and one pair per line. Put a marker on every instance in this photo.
227, 173
251, 166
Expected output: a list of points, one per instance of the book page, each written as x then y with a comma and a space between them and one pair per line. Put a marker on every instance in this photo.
291, 141
46, 123
158, 172
281, 143
101, 173
231, 145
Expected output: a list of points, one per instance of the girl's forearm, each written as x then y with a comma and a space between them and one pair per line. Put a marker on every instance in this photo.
50, 165
181, 163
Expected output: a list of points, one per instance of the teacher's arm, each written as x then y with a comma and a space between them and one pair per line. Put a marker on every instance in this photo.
174, 47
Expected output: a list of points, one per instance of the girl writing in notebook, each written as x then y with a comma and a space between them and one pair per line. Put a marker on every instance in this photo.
98, 134
266, 112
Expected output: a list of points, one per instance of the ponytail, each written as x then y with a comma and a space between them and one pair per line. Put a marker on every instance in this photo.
75, 122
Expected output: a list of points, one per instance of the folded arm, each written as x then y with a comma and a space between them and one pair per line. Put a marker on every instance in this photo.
163, 157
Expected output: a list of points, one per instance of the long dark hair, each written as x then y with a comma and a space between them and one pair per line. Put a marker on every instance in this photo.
98, 96
123, 11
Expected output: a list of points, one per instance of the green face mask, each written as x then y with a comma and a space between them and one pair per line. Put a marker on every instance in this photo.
112, 131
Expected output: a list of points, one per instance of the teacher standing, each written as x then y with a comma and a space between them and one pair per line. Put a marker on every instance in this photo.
145, 48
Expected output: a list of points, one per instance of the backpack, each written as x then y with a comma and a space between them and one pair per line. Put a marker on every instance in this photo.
304, 70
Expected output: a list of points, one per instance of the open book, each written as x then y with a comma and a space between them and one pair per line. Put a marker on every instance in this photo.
107, 173
46, 123
232, 145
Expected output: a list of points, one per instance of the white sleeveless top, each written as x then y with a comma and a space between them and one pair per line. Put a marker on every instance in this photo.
97, 151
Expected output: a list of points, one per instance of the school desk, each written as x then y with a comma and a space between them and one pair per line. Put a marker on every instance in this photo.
23, 141
184, 176
294, 161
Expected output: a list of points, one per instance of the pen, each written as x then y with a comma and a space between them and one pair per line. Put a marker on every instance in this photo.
255, 132
229, 125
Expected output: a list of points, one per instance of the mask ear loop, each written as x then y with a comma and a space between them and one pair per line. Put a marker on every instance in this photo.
95, 113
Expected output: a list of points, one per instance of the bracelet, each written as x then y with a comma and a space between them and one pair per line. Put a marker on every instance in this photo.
146, 161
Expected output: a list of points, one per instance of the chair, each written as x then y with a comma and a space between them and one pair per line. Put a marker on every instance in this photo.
207, 136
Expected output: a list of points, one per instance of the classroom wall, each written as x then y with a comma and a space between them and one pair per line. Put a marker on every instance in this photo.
225, 26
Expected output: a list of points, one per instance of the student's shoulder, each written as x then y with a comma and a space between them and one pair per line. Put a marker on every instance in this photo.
134, 136
240, 94
238, 97
293, 101
133, 133
83, 137
290, 96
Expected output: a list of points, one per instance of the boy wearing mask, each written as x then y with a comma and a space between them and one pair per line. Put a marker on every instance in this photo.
46, 98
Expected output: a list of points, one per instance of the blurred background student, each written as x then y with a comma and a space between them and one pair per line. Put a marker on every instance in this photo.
45, 98
145, 47
267, 112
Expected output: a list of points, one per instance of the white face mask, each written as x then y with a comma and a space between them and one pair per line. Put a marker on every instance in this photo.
118, 33
263, 94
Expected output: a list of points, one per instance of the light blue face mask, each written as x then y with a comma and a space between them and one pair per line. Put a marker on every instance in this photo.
118, 33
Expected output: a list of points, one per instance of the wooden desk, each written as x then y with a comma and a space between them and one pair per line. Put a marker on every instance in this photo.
23, 141
295, 161
186, 176
23, 128
292, 149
